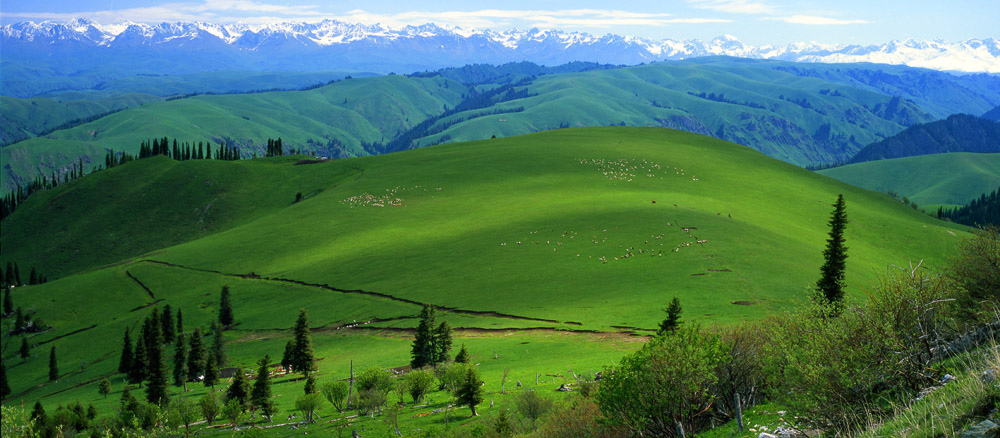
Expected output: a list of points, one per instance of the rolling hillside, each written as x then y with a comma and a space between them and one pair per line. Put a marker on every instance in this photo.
801, 114
957, 133
950, 178
25, 118
548, 250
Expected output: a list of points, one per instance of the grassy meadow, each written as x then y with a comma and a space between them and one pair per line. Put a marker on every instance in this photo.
551, 253
937, 179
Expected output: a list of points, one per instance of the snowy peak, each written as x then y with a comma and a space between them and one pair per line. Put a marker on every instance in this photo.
455, 44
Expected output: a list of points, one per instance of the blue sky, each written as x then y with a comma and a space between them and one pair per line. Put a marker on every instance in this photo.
756, 22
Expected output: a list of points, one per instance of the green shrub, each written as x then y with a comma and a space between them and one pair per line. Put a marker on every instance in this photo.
667, 380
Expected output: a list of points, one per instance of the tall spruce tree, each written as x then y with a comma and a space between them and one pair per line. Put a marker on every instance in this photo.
260, 395
225, 308
137, 368
239, 390
673, 319
167, 325
424, 349
470, 390
125, 361
218, 345
156, 390
53, 365
25, 351
180, 362
4, 387
211, 371
286, 357
303, 357
442, 342
196, 355
180, 322
831, 283
8, 302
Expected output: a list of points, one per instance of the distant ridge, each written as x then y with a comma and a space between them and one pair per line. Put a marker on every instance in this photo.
957, 133
83, 47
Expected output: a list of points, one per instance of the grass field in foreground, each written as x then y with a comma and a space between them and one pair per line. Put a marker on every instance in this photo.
525, 228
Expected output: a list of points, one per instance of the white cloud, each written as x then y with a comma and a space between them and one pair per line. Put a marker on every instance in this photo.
734, 6
815, 20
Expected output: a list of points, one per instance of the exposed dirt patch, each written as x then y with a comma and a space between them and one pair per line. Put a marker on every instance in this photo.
744, 303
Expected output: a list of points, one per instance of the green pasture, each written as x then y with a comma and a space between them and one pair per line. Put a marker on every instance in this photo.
928, 180
525, 229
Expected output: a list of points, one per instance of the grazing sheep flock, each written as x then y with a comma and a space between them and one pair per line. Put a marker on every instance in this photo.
387, 199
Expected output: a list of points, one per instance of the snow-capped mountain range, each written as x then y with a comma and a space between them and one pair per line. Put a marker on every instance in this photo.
332, 44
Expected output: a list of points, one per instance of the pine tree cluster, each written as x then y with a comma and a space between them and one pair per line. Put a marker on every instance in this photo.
979, 212
431, 345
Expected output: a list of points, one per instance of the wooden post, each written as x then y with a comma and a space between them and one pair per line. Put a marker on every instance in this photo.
680, 429
350, 387
536, 379
739, 412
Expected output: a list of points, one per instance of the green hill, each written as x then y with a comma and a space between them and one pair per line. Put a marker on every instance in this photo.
797, 116
547, 250
957, 133
953, 178
25, 118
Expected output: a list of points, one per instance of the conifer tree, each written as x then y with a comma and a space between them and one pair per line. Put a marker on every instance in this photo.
17, 276
442, 342
470, 390
286, 357
673, 319
9, 276
53, 365
137, 367
180, 362
4, 386
25, 351
180, 322
462, 356
38, 414
225, 308
33, 277
156, 391
8, 302
218, 345
260, 396
167, 325
424, 349
211, 371
19, 321
831, 283
239, 390
303, 357
196, 355
310, 386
